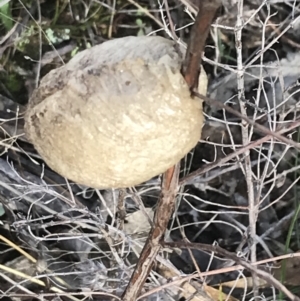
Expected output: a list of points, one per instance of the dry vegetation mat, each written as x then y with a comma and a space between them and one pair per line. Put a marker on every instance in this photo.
220, 224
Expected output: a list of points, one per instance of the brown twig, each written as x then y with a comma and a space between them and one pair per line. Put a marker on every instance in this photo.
199, 33
166, 203
218, 250
162, 216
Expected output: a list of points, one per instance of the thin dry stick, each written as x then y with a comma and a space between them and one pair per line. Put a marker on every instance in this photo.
252, 200
258, 126
166, 203
112, 16
228, 269
172, 27
252, 268
191, 177
32, 279
147, 13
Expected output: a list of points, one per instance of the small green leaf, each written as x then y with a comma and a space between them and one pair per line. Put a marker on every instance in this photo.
58, 36
141, 32
139, 23
74, 51
5, 14
3, 2
140, 12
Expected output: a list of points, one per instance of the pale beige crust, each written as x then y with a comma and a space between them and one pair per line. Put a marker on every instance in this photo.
117, 114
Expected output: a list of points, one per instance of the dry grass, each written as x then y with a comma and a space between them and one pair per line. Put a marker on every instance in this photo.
244, 189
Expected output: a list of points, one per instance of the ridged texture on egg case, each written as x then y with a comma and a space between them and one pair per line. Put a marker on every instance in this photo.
117, 114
